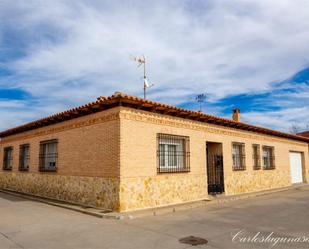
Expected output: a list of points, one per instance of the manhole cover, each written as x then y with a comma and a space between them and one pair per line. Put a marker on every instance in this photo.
194, 241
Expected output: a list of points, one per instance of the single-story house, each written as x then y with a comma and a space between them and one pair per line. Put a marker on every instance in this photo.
127, 153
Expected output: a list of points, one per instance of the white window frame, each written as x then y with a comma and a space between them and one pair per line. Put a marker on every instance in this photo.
167, 157
173, 153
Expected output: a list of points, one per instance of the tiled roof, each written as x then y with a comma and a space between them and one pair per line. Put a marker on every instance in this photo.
121, 99
304, 134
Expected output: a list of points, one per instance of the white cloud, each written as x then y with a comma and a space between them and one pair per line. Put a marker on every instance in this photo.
282, 119
78, 50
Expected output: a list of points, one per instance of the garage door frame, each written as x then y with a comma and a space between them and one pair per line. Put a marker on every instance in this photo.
297, 177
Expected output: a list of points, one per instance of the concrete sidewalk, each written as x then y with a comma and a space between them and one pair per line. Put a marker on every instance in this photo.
33, 225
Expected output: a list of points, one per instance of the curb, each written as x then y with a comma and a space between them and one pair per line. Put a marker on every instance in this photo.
165, 209
230, 198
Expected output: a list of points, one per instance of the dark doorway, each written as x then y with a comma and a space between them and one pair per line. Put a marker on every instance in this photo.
215, 176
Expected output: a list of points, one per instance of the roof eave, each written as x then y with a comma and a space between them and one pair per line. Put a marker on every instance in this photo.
121, 99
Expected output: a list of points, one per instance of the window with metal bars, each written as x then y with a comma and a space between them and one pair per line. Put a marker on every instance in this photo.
48, 155
8, 158
256, 157
173, 153
268, 157
24, 157
238, 156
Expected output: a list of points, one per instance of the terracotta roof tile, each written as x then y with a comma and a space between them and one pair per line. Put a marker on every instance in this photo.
122, 99
304, 134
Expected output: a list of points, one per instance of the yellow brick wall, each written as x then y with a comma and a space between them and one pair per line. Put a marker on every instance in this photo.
109, 159
88, 161
87, 146
138, 160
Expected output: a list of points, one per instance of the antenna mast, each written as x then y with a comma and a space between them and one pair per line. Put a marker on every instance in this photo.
145, 78
142, 61
200, 99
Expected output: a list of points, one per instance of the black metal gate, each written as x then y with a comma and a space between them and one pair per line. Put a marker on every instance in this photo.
215, 173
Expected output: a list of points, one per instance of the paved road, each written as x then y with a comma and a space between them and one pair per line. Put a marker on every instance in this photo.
31, 225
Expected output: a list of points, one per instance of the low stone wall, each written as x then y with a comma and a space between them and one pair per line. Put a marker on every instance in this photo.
147, 192
94, 191
244, 182
140, 192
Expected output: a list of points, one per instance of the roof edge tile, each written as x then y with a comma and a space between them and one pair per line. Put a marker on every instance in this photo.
120, 98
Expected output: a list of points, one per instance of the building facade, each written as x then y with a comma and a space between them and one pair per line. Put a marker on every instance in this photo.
125, 153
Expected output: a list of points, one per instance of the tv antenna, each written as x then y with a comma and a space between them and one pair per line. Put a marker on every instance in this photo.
140, 60
200, 99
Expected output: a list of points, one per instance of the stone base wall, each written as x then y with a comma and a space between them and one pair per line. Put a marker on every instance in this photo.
244, 182
161, 190
93, 191
140, 192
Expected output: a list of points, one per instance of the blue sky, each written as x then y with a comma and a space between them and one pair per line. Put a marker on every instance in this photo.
248, 54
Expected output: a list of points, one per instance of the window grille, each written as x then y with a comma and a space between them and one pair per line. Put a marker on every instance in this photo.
238, 156
24, 157
268, 157
7, 158
256, 156
48, 155
173, 153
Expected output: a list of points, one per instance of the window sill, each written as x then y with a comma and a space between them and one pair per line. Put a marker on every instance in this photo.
24, 169
48, 170
239, 169
7, 169
173, 170
272, 168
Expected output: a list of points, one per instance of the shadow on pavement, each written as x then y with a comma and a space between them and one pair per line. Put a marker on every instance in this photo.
11, 198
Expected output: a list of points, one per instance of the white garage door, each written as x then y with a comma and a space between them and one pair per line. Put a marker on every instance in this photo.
296, 167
